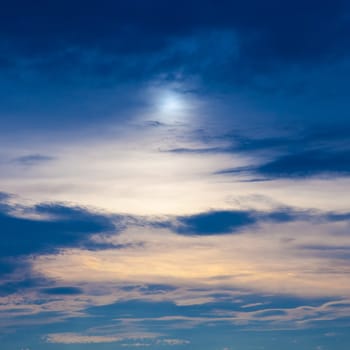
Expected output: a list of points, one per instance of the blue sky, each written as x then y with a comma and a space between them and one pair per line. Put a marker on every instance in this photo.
174, 175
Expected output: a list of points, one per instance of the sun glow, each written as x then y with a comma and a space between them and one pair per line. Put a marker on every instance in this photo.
171, 102
171, 105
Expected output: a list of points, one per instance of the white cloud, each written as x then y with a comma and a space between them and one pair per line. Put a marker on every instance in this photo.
173, 342
74, 338
274, 258
123, 169
77, 338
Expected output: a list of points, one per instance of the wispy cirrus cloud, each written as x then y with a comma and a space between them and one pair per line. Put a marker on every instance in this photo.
226, 260
135, 340
33, 159
313, 163
73, 338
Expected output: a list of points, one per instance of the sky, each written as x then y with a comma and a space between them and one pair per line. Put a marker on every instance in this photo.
174, 175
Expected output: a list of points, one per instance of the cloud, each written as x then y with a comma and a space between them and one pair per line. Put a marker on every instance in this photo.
309, 163
42, 228
301, 316
74, 338
33, 159
317, 153
136, 44
62, 291
64, 235
215, 222
4, 196
236, 221
250, 141
313, 163
268, 258
173, 342
133, 25
205, 265
78, 338
81, 89
59, 226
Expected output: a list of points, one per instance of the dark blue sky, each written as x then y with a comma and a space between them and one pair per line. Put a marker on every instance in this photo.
174, 174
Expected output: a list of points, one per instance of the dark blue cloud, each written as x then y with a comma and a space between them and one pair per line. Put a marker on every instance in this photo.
308, 163
5, 267
131, 39
26, 280
337, 216
214, 222
62, 291
4, 206
71, 227
283, 216
226, 221
69, 58
61, 226
291, 28
323, 151
32, 159
4, 196
235, 221
324, 136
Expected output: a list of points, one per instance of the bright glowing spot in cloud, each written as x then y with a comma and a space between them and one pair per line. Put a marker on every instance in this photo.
172, 105
171, 102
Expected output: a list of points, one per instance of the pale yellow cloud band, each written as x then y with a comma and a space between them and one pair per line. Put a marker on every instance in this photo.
275, 259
